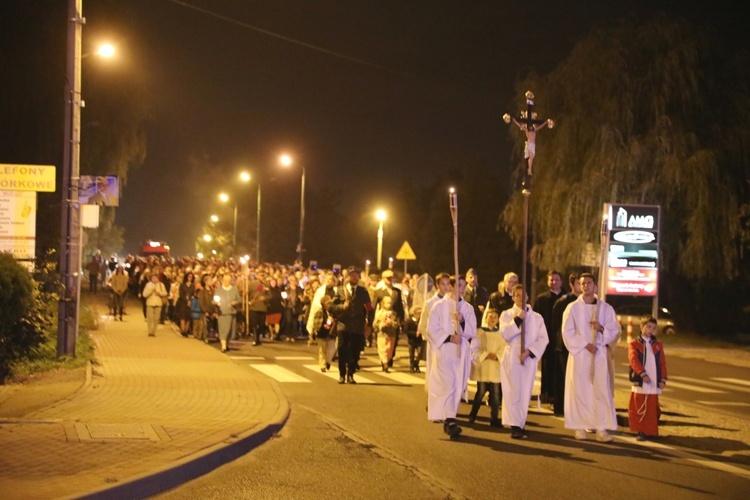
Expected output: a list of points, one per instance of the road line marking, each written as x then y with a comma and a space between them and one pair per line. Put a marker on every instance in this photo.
672, 384
709, 383
334, 374
293, 358
248, 358
733, 381
720, 466
404, 378
722, 403
279, 374
692, 387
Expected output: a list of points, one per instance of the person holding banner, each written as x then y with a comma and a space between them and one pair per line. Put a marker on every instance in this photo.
452, 324
589, 325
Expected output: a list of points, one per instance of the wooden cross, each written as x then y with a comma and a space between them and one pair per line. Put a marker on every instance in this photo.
528, 122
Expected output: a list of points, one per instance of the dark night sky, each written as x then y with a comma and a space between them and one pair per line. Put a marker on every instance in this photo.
237, 98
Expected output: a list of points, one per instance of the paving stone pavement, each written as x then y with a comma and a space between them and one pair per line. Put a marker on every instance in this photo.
155, 412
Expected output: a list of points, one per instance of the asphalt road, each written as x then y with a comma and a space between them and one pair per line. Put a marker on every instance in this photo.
372, 440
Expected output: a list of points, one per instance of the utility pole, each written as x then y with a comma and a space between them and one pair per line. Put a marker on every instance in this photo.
70, 230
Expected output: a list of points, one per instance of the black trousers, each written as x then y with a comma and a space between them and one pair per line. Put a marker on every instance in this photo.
257, 324
560, 367
350, 345
549, 375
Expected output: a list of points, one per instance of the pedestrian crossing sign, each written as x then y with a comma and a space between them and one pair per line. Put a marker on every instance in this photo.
406, 253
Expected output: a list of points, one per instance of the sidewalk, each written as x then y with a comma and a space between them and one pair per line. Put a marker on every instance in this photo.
154, 413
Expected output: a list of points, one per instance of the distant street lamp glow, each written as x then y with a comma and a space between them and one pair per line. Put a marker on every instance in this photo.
380, 215
244, 177
214, 218
199, 255
106, 50
224, 197
206, 238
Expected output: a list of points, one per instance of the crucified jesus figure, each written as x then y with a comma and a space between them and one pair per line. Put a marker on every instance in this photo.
529, 149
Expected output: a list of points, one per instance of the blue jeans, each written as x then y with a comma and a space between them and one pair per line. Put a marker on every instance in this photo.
482, 389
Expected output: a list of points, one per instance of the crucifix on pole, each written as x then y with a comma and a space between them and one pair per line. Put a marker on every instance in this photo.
528, 122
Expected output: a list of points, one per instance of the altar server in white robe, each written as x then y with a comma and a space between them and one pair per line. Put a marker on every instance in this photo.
450, 327
518, 367
443, 285
589, 325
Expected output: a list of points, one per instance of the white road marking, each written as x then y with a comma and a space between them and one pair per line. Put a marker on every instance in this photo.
333, 373
672, 384
731, 469
248, 358
279, 374
293, 358
722, 403
733, 381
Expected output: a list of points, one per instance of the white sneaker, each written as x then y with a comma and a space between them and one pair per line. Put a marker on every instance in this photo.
603, 436
581, 435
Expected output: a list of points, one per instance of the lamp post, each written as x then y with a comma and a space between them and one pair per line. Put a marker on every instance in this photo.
380, 215
70, 221
224, 198
244, 177
286, 160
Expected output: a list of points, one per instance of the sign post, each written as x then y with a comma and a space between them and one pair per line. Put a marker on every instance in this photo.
406, 254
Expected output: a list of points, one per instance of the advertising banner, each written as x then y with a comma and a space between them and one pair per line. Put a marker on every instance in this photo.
37, 178
633, 250
18, 223
103, 190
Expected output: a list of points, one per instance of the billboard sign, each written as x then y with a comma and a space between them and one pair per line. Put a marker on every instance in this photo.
18, 224
633, 250
102, 190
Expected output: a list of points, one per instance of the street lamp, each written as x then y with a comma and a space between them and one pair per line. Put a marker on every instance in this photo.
286, 160
224, 198
214, 219
380, 215
70, 222
207, 238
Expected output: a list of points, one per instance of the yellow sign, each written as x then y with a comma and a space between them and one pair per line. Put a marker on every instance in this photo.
406, 253
27, 178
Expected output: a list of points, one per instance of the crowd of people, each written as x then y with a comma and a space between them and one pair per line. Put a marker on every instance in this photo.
461, 331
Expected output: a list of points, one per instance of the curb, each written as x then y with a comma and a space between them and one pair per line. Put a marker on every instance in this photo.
197, 464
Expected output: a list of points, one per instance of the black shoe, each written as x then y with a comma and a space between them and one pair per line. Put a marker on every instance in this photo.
641, 437
390, 364
323, 370
328, 366
496, 423
472, 417
452, 429
350, 380
341, 380
517, 433
417, 370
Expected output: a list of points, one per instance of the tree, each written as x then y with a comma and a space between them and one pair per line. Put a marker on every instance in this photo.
651, 114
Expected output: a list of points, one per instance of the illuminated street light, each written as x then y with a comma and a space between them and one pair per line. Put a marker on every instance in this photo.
106, 50
207, 238
214, 218
380, 215
200, 255
287, 161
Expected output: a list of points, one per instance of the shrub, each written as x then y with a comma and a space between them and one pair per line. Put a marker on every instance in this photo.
19, 317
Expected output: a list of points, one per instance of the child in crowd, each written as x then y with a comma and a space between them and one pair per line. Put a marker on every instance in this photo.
648, 373
489, 346
324, 326
387, 328
416, 341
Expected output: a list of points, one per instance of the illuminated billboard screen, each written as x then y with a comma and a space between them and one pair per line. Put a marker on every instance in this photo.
633, 250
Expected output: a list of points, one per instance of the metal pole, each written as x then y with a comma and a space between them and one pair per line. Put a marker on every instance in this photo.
234, 231
301, 218
70, 230
380, 244
257, 230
